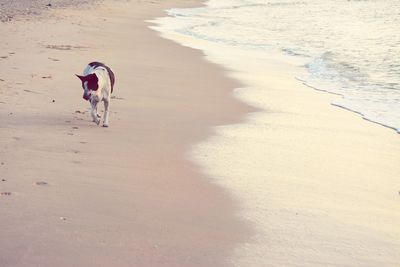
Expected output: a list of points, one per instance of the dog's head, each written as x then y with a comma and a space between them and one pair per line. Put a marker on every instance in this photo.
89, 84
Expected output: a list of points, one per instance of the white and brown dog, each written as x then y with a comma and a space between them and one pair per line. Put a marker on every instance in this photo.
98, 84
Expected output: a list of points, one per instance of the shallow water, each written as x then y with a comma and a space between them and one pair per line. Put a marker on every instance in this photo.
349, 48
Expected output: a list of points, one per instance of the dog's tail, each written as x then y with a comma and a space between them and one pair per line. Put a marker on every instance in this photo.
112, 77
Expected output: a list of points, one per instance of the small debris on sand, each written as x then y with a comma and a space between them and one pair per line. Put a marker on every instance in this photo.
41, 183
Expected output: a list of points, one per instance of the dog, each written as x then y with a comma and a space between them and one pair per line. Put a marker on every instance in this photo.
98, 84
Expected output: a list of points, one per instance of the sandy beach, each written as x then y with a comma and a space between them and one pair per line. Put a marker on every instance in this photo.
187, 174
76, 194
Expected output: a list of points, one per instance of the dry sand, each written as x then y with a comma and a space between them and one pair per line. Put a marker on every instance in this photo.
76, 194
11, 10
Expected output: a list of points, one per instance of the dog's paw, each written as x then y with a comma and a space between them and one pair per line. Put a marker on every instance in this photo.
97, 121
105, 125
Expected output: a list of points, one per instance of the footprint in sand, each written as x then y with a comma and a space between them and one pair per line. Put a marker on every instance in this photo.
70, 134
75, 151
6, 193
47, 77
76, 161
4, 57
83, 142
116, 97
66, 47
3, 180
17, 138
30, 91
75, 128
53, 59
41, 183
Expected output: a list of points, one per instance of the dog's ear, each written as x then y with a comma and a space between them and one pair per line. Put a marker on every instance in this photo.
82, 78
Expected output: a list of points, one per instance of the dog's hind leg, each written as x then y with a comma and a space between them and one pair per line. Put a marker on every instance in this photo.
95, 116
106, 112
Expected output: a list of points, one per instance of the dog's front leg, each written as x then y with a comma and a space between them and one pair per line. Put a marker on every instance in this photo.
106, 112
93, 112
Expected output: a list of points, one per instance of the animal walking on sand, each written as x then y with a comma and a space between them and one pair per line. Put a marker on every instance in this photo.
98, 84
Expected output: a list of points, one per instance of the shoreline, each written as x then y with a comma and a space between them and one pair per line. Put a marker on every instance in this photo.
362, 115
310, 176
74, 193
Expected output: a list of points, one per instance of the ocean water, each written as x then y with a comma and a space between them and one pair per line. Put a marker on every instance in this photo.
348, 47
304, 215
